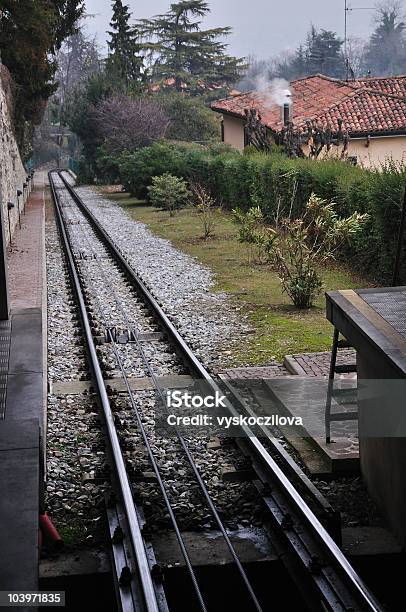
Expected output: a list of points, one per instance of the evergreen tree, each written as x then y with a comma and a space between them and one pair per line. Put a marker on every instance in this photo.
180, 49
386, 51
80, 116
190, 119
30, 34
323, 53
124, 61
292, 65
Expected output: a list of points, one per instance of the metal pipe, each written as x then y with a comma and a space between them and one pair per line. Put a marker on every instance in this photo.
286, 114
25, 192
345, 38
19, 193
10, 206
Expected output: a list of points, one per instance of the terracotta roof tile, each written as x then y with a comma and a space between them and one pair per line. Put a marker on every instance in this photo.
367, 111
366, 105
390, 85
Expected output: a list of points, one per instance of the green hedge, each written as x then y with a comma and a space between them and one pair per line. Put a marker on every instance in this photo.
278, 185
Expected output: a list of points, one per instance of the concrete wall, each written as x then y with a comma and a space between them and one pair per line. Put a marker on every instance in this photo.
234, 132
378, 149
371, 153
382, 460
12, 171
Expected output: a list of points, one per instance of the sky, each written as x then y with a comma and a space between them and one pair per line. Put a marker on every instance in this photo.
262, 28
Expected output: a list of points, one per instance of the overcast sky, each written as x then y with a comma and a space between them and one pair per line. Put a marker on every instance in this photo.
260, 27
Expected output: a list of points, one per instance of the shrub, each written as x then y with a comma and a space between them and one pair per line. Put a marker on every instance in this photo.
190, 119
168, 192
84, 174
108, 166
385, 195
207, 209
281, 187
300, 246
138, 168
253, 232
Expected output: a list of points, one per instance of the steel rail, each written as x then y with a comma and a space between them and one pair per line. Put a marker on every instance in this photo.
330, 517
353, 581
143, 432
184, 446
143, 568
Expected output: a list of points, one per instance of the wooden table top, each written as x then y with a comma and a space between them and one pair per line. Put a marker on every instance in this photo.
372, 320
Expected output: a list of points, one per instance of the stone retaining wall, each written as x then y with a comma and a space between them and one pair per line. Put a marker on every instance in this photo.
12, 172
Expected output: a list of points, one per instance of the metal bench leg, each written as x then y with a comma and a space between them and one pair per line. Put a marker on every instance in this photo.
330, 386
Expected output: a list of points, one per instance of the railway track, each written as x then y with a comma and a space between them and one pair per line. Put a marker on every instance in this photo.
129, 336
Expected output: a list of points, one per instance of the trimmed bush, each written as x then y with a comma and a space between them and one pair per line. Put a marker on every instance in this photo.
280, 187
168, 192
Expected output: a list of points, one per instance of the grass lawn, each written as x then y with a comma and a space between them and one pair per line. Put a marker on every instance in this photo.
280, 328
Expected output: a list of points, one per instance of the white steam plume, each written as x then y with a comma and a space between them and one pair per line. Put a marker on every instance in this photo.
274, 91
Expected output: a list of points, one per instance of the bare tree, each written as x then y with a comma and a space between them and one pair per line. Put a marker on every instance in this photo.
77, 60
386, 50
129, 123
316, 137
388, 7
356, 49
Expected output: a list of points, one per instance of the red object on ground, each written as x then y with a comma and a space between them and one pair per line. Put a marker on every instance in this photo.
49, 532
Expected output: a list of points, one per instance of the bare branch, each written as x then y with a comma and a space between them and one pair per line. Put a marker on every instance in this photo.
129, 123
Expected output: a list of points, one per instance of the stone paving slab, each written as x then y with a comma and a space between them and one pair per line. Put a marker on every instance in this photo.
20, 429
317, 364
257, 372
342, 454
19, 485
26, 256
303, 364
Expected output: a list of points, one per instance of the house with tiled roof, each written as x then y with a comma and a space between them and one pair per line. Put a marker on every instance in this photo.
372, 111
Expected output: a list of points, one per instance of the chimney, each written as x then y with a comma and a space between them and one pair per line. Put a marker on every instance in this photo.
286, 114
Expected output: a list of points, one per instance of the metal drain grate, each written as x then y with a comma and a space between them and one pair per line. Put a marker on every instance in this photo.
5, 336
391, 306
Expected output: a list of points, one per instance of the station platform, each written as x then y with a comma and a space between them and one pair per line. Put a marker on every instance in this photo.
23, 397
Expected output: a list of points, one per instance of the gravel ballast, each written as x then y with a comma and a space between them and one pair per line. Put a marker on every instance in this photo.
183, 287
76, 478
76, 459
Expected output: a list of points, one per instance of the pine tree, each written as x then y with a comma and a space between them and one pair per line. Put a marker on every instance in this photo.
30, 34
320, 54
181, 50
124, 61
292, 65
323, 53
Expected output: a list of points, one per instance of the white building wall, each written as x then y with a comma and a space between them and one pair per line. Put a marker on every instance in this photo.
234, 132
369, 153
